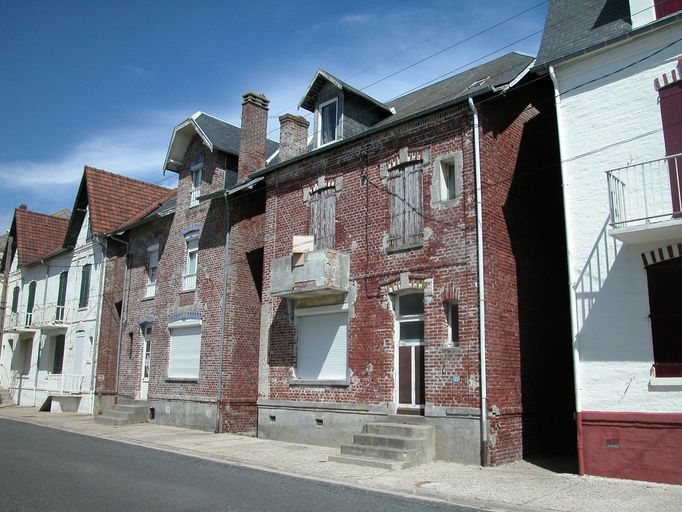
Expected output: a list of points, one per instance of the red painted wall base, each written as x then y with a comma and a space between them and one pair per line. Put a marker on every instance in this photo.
636, 446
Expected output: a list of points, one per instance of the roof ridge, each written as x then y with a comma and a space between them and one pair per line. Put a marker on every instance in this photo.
127, 178
223, 121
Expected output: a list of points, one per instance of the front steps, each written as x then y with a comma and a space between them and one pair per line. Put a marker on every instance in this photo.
125, 413
390, 444
5, 398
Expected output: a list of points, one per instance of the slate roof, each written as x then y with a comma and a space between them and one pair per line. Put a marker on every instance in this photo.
576, 25
112, 199
225, 136
37, 235
310, 98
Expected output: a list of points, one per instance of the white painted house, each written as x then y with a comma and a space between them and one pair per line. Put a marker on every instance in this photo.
616, 70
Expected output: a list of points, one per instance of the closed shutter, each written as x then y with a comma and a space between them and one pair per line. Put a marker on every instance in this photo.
323, 218
322, 346
185, 351
396, 191
667, 7
85, 286
670, 99
15, 299
665, 295
413, 206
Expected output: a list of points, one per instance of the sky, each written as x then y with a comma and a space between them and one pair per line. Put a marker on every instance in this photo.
104, 83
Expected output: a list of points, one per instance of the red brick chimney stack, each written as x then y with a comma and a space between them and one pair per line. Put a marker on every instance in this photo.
253, 134
293, 136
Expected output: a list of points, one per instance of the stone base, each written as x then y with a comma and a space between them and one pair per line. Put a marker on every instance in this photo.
184, 413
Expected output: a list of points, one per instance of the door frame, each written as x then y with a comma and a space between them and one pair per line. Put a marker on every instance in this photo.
414, 407
146, 341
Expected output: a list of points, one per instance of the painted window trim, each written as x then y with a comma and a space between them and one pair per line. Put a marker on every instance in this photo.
319, 122
150, 290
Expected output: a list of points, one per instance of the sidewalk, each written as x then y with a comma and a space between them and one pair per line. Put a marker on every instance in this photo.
513, 487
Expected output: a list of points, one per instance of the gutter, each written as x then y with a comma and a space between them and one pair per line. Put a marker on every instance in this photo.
571, 281
485, 448
223, 304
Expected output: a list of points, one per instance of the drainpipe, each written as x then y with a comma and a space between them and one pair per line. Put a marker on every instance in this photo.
571, 281
223, 307
485, 452
124, 311
95, 343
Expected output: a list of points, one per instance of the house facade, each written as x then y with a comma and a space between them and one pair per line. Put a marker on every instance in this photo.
616, 72
403, 243
189, 343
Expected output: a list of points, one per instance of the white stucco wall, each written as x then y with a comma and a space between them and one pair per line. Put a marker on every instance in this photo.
607, 123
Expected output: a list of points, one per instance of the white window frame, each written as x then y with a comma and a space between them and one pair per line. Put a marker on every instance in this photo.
448, 189
452, 314
399, 320
153, 259
336, 309
173, 372
189, 281
319, 122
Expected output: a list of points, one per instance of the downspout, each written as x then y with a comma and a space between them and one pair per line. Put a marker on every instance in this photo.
40, 338
223, 307
124, 312
95, 344
571, 280
485, 452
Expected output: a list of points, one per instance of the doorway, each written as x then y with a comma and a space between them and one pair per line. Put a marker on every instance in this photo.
146, 354
409, 311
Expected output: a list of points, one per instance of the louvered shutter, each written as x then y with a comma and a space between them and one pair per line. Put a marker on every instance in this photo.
413, 205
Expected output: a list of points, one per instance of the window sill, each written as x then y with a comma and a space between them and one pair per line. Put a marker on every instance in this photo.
319, 382
405, 247
181, 380
189, 290
147, 297
665, 383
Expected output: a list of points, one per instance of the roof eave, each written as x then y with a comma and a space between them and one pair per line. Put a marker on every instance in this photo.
170, 163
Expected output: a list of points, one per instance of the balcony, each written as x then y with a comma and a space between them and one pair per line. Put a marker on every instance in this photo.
63, 383
315, 273
645, 201
49, 316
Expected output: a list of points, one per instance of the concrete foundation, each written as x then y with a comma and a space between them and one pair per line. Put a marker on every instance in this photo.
325, 424
184, 413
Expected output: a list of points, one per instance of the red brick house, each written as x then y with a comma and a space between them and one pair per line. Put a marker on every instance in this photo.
407, 243
197, 255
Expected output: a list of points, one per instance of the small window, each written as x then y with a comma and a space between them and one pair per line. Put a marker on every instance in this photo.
196, 168
190, 278
406, 223
185, 351
327, 122
15, 299
448, 180
452, 313
323, 217
61, 297
85, 286
322, 343
153, 263
30, 303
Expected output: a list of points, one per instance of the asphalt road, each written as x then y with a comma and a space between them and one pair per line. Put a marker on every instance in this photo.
52, 470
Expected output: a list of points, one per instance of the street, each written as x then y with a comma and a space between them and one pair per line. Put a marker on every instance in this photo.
48, 469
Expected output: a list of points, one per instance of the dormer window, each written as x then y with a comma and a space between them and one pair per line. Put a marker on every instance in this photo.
196, 168
328, 114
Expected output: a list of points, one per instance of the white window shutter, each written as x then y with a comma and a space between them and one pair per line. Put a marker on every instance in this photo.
185, 349
322, 346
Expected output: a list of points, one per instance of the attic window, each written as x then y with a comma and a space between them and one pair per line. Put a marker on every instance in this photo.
328, 114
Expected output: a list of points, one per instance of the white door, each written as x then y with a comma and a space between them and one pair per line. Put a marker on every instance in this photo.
78, 380
146, 349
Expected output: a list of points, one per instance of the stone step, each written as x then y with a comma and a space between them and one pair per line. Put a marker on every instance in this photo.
370, 462
111, 413
409, 419
108, 420
375, 452
399, 430
409, 443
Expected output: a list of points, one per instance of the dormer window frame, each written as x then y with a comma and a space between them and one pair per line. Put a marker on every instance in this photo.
320, 130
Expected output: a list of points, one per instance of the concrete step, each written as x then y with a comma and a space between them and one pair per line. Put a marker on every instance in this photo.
108, 420
406, 443
399, 430
370, 462
374, 452
408, 419
126, 413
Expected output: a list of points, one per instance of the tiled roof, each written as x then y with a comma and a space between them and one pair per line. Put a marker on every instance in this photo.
38, 235
165, 205
113, 199
574, 26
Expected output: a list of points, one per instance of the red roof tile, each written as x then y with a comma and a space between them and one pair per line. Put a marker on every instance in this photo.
38, 235
114, 199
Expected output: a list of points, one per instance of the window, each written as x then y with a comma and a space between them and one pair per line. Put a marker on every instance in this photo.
15, 299
58, 356
185, 349
323, 217
190, 278
196, 168
61, 297
153, 263
30, 303
405, 206
85, 286
452, 313
327, 121
665, 293
26, 355
322, 343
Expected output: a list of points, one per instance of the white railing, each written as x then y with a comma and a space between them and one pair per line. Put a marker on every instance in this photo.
150, 291
12, 320
65, 383
189, 282
52, 314
194, 198
645, 193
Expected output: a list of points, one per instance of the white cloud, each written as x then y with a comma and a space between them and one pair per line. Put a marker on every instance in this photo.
356, 18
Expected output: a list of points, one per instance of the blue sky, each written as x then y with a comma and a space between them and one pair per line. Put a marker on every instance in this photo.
104, 83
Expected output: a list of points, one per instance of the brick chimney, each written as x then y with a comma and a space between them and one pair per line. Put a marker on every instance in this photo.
253, 134
293, 136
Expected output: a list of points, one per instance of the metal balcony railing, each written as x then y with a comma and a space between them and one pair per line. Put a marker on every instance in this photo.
646, 193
